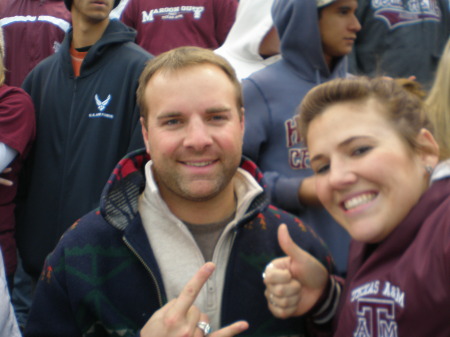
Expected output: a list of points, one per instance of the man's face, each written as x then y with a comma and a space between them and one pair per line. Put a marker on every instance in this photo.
193, 133
338, 26
92, 10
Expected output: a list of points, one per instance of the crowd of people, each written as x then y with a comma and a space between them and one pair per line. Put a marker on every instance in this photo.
224, 167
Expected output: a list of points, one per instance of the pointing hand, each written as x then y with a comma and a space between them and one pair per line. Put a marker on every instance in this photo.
180, 317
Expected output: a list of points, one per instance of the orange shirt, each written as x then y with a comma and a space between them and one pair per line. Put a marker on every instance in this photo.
77, 59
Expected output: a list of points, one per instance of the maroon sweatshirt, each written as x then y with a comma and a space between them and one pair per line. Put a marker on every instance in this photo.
17, 130
401, 287
33, 30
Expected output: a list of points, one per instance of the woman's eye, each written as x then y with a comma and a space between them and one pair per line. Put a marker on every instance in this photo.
322, 169
361, 150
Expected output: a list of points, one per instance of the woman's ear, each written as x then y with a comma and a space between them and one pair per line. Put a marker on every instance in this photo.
428, 148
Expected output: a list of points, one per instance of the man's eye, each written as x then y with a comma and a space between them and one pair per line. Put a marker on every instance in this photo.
171, 122
219, 117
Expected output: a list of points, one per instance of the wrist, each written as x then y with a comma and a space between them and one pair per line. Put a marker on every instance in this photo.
325, 308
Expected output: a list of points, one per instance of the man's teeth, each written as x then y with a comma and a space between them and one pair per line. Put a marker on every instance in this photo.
199, 164
359, 200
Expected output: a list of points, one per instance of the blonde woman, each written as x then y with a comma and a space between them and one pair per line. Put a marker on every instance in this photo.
438, 102
378, 173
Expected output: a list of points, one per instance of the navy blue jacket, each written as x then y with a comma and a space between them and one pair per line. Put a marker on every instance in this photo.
85, 125
103, 279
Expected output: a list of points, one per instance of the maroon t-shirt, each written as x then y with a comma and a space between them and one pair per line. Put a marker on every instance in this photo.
17, 130
164, 25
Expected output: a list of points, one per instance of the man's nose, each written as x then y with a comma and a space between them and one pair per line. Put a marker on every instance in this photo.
198, 135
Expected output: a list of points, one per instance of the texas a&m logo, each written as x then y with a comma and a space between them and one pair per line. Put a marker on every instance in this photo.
376, 305
376, 318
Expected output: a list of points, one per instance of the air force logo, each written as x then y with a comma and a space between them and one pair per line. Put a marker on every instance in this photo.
101, 106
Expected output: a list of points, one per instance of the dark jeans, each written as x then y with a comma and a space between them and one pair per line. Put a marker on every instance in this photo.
22, 295
10, 281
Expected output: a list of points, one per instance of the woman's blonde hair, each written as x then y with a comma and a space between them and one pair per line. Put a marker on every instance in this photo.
2, 58
438, 104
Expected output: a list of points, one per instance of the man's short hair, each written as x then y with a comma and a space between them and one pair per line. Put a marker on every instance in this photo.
181, 58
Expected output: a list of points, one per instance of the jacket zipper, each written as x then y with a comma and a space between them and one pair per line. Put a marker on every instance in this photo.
216, 259
158, 290
68, 139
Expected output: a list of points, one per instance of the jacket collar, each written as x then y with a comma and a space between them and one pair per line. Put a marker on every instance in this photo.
119, 200
116, 34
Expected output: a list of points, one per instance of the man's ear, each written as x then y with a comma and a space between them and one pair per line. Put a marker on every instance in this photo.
428, 148
145, 134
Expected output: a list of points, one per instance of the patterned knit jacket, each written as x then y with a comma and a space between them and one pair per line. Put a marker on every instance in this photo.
103, 280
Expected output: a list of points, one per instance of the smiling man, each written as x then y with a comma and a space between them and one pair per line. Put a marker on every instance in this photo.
87, 120
316, 36
141, 265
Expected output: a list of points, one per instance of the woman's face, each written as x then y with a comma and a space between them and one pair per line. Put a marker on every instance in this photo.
366, 175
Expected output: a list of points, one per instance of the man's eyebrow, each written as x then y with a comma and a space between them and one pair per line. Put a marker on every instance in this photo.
174, 114
344, 8
217, 109
171, 114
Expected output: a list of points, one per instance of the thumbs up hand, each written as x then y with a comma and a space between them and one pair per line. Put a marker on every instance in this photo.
293, 283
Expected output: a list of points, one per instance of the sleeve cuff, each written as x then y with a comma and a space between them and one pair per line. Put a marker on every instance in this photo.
327, 305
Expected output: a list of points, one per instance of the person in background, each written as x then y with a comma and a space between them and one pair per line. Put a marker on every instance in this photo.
4, 181
117, 11
252, 42
315, 38
162, 25
378, 173
438, 103
8, 323
17, 132
33, 30
188, 198
87, 119
400, 39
